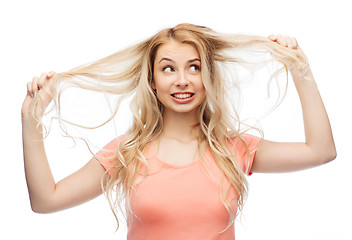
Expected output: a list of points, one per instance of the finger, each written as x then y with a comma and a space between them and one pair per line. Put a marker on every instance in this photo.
272, 37
294, 43
34, 87
50, 74
29, 89
281, 40
42, 80
289, 42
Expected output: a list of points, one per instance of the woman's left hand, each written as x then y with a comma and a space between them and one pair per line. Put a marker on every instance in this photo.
285, 41
318, 147
291, 43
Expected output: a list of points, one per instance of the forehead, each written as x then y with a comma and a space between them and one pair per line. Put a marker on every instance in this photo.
176, 51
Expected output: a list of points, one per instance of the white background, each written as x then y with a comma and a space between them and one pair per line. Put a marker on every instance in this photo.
38, 36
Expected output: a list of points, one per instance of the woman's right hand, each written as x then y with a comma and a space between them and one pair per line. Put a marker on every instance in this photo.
39, 85
45, 194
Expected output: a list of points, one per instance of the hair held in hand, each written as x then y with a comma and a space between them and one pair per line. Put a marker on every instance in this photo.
129, 72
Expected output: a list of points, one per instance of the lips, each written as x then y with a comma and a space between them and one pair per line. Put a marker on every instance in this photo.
182, 95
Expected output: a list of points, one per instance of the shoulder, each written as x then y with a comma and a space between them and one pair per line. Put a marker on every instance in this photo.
116, 141
111, 147
244, 147
243, 141
108, 154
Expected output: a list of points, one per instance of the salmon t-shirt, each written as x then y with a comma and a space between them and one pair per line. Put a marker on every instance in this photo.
181, 202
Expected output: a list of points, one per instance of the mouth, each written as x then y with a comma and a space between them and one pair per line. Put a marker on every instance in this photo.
182, 95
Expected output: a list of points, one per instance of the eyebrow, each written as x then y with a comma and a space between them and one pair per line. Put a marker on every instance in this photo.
189, 61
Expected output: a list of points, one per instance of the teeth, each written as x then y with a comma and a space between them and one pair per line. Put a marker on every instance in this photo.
182, 96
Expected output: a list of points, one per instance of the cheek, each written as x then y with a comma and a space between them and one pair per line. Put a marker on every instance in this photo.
200, 85
201, 89
160, 84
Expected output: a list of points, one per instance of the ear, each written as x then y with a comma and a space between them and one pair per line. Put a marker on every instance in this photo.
153, 85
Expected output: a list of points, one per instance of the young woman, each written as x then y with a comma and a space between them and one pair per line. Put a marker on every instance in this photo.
181, 166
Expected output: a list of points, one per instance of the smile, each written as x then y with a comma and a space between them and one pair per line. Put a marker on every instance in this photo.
182, 97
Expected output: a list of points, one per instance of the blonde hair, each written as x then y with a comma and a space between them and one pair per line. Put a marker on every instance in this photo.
130, 72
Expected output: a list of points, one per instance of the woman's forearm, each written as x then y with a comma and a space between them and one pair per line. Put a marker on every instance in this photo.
40, 181
46, 195
316, 122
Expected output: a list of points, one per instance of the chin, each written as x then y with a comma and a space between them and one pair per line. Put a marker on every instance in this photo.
183, 109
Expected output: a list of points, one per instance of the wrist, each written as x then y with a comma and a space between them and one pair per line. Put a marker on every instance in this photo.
30, 123
304, 74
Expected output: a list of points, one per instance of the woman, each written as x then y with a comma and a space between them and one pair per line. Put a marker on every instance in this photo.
181, 167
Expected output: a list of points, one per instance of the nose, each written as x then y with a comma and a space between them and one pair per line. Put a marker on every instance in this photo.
182, 81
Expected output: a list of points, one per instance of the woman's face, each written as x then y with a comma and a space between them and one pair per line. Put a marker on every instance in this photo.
178, 78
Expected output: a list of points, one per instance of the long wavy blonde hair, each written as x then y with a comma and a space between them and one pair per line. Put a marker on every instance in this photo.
130, 73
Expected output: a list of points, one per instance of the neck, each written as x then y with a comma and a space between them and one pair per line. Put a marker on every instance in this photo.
180, 126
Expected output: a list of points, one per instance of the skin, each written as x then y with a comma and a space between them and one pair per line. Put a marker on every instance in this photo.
178, 133
177, 69
319, 147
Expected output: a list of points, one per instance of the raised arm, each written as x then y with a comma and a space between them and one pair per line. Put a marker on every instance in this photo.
46, 195
319, 147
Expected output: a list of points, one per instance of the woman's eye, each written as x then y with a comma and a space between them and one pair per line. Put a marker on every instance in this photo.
194, 68
168, 69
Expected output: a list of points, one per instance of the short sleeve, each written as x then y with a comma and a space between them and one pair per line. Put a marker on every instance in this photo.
240, 151
107, 155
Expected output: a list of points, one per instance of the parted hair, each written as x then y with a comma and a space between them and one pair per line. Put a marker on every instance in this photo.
129, 72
